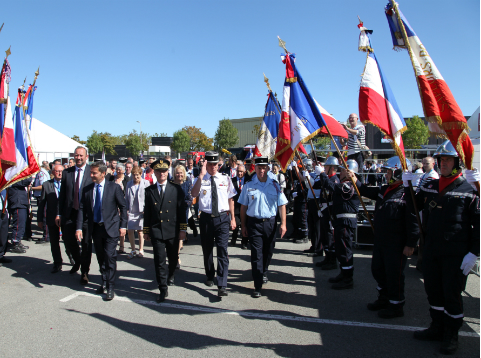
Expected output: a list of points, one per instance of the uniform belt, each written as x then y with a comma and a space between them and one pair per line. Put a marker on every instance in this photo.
99, 224
211, 215
349, 216
256, 219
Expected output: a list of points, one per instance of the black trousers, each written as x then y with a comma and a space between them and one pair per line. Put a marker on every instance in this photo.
262, 237
106, 251
327, 236
163, 249
71, 244
3, 233
215, 230
55, 244
300, 213
314, 225
343, 236
236, 231
19, 221
387, 267
444, 282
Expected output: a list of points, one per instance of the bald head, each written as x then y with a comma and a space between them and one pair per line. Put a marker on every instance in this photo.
353, 120
428, 164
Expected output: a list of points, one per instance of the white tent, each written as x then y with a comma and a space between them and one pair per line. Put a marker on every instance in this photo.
473, 123
50, 144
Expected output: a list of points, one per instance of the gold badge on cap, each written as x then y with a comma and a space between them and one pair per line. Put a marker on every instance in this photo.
205, 192
252, 197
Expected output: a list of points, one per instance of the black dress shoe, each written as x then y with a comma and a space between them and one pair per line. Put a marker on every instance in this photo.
162, 296
74, 268
4, 260
84, 278
314, 254
309, 250
222, 292
265, 279
209, 282
23, 246
17, 249
27, 239
256, 294
56, 268
244, 247
170, 281
102, 289
110, 294
72, 261
39, 242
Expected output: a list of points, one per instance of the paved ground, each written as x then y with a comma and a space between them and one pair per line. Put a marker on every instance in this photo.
52, 315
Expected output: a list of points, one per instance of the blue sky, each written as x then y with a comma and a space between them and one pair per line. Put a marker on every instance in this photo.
106, 64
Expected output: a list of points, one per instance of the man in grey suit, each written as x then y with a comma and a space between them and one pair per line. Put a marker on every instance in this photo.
99, 209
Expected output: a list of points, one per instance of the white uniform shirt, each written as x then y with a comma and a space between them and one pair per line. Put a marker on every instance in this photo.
225, 191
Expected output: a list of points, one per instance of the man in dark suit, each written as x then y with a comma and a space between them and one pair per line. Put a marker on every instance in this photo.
99, 210
49, 197
74, 180
165, 224
18, 205
239, 182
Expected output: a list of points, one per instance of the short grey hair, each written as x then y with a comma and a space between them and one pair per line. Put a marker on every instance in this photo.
120, 166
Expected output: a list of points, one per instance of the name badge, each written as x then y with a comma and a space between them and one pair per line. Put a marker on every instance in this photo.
251, 189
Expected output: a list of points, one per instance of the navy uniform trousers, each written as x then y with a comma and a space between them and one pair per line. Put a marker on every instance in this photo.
327, 236
19, 222
314, 225
343, 236
262, 237
215, 229
3, 233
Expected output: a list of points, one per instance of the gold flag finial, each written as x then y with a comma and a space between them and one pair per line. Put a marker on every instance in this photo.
266, 80
8, 52
36, 75
282, 44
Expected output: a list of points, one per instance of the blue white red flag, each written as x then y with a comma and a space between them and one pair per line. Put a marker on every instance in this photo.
377, 104
301, 118
28, 104
441, 110
26, 163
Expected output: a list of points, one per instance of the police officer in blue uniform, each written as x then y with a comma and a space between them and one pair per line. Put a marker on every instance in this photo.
327, 234
216, 192
395, 235
344, 211
451, 224
260, 199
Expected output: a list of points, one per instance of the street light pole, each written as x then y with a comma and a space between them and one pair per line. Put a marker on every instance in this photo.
142, 149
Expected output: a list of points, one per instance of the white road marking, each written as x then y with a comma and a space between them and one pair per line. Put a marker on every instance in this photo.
264, 315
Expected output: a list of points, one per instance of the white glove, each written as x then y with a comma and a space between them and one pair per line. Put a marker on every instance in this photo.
407, 176
468, 263
305, 173
472, 176
319, 169
294, 194
294, 164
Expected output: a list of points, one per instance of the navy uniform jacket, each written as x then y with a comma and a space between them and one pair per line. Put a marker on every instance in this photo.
394, 223
17, 195
451, 223
345, 204
113, 201
163, 219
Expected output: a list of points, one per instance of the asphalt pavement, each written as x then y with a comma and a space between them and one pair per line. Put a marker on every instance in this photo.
299, 315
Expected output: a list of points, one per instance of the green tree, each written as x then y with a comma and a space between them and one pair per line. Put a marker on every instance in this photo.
77, 139
417, 133
198, 139
108, 142
133, 143
94, 143
226, 135
322, 144
180, 141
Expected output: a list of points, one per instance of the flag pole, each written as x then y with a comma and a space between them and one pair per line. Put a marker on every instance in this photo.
312, 189
283, 45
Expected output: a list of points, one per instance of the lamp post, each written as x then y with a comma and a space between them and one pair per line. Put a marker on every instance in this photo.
142, 149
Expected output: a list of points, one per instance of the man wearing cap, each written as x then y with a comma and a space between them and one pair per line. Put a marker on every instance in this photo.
260, 199
165, 224
216, 192
344, 211
450, 207
326, 203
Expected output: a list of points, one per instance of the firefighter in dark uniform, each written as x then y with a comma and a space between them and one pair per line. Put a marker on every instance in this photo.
313, 213
260, 199
299, 218
216, 192
395, 236
451, 225
327, 234
344, 211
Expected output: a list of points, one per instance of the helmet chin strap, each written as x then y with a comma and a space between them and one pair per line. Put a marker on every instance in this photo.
392, 181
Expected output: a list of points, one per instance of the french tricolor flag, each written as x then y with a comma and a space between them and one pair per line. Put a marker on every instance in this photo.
377, 104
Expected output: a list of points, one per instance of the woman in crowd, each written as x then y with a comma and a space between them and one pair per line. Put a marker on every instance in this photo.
180, 176
135, 197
